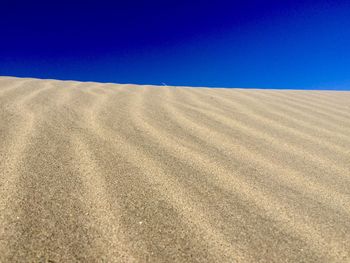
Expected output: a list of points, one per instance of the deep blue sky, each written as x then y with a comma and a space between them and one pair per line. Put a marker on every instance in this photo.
264, 44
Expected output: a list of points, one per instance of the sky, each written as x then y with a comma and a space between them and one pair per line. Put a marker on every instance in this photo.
247, 44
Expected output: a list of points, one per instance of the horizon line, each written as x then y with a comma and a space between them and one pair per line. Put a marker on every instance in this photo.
179, 86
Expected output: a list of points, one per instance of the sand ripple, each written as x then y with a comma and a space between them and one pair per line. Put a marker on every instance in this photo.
97, 172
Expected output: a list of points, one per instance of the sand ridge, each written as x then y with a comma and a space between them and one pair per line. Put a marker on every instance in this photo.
93, 172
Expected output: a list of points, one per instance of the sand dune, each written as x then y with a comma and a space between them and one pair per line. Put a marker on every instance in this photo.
93, 172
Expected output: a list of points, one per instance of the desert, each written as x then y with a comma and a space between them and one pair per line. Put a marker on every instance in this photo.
102, 172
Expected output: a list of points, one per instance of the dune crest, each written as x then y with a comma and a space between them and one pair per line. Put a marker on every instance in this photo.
96, 172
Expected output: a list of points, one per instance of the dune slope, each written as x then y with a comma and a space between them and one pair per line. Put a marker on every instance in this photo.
93, 172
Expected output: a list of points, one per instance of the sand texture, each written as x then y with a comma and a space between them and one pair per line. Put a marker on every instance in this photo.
93, 172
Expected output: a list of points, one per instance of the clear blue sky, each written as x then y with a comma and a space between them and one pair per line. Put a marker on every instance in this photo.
263, 44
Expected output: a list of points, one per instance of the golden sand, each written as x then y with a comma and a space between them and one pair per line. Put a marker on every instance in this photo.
95, 172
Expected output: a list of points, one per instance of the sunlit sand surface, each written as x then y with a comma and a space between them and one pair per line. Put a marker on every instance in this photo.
93, 172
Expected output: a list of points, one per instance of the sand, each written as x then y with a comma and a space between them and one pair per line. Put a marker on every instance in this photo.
93, 172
